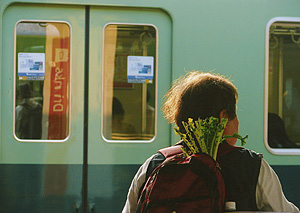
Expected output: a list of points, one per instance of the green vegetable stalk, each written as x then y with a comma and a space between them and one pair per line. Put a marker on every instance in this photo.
205, 136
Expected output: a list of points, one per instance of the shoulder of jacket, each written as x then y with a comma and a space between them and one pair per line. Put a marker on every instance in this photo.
250, 152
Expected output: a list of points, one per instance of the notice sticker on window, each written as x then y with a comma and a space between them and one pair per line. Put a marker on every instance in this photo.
31, 66
140, 69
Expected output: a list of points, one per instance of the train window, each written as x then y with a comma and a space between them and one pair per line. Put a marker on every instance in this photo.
283, 112
42, 80
129, 83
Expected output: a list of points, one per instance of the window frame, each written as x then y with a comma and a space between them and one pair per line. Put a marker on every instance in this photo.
275, 151
103, 89
69, 88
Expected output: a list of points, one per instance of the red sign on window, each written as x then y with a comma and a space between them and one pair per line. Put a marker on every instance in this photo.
59, 84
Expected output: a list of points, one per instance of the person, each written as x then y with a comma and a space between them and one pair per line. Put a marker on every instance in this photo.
249, 180
118, 125
28, 114
277, 135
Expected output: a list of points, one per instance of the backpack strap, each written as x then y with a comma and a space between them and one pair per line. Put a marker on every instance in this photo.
162, 155
159, 158
170, 151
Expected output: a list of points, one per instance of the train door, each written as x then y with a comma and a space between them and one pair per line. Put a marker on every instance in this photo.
68, 73
129, 72
42, 108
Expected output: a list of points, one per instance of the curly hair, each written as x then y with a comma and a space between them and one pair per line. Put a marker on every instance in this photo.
199, 95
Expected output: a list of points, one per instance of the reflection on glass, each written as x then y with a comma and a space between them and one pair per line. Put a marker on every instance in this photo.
284, 85
42, 80
129, 82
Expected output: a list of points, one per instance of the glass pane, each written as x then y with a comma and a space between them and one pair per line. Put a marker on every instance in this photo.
42, 80
284, 85
129, 96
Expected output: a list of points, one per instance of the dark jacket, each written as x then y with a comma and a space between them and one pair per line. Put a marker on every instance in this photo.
240, 169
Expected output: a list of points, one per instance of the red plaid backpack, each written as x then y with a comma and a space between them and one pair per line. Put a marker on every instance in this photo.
183, 184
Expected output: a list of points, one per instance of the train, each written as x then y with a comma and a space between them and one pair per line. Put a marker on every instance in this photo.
83, 83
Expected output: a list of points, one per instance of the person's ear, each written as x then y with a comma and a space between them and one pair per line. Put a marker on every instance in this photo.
223, 114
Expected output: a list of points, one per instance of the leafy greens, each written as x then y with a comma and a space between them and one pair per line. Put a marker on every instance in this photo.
205, 136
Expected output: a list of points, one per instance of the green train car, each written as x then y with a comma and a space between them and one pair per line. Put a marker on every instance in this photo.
82, 84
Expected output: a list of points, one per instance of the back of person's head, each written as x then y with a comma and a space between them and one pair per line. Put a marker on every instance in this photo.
200, 95
277, 135
24, 91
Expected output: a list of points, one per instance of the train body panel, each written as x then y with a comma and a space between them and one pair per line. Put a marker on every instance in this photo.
101, 118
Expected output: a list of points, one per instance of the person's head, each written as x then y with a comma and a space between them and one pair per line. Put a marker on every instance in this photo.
202, 95
24, 91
